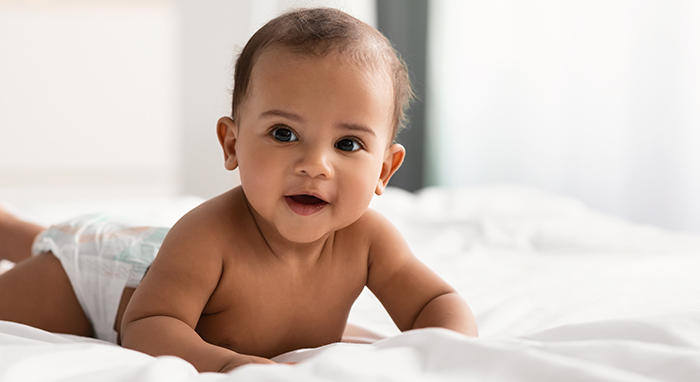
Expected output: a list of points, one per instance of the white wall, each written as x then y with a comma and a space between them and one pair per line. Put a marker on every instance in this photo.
119, 98
88, 95
598, 99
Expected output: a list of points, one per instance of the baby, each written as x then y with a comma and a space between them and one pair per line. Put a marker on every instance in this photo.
275, 264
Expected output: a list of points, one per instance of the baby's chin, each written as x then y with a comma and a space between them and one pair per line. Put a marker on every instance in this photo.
312, 231
303, 235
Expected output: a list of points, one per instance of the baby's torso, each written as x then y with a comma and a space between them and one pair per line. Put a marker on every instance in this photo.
261, 306
269, 307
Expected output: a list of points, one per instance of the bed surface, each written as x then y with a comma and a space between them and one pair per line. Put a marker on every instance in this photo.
560, 293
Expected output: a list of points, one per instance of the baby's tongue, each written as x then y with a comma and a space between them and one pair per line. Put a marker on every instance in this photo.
306, 199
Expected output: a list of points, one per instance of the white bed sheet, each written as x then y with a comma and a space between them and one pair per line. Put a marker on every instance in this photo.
560, 292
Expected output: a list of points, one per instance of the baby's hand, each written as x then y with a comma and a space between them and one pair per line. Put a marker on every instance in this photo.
241, 360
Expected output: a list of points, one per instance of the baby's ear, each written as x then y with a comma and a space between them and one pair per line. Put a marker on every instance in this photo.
393, 157
227, 132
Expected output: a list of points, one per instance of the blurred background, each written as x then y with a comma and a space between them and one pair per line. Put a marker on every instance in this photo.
597, 100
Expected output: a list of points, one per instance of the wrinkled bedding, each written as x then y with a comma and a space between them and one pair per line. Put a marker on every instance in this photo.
560, 293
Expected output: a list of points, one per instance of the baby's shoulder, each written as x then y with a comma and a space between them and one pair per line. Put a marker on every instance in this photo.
375, 227
215, 221
385, 243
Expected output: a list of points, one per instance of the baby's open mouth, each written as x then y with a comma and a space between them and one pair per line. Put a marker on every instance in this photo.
305, 205
307, 199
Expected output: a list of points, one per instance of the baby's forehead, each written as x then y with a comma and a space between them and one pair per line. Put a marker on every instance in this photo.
369, 63
275, 58
270, 77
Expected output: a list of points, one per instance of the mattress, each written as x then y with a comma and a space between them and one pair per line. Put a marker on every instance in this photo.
560, 293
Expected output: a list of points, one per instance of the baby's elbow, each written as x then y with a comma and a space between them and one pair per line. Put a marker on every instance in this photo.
471, 329
124, 334
448, 311
129, 329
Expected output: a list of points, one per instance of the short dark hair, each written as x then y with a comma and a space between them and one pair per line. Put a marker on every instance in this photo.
318, 32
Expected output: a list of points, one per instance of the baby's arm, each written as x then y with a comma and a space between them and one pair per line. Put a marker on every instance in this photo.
413, 295
163, 313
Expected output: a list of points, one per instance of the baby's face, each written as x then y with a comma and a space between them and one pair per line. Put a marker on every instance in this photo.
312, 138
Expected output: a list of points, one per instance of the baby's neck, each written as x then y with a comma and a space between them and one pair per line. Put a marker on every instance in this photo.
286, 250
300, 254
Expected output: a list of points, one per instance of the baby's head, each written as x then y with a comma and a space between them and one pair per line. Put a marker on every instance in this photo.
318, 99
320, 32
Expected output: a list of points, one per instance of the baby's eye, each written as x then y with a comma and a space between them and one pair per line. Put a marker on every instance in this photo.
348, 144
283, 134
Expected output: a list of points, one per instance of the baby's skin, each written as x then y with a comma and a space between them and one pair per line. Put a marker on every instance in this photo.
275, 264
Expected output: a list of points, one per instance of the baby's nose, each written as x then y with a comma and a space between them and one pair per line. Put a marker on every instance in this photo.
315, 163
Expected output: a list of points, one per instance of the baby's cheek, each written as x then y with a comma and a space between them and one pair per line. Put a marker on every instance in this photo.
364, 193
256, 191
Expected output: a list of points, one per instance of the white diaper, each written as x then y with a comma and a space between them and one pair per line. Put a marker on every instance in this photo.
101, 256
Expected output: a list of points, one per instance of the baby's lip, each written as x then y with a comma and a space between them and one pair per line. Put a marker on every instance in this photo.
305, 204
306, 197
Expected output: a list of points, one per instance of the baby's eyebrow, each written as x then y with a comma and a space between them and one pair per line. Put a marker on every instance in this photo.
357, 127
282, 113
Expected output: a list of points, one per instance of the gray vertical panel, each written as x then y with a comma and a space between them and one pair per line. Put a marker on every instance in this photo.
405, 23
